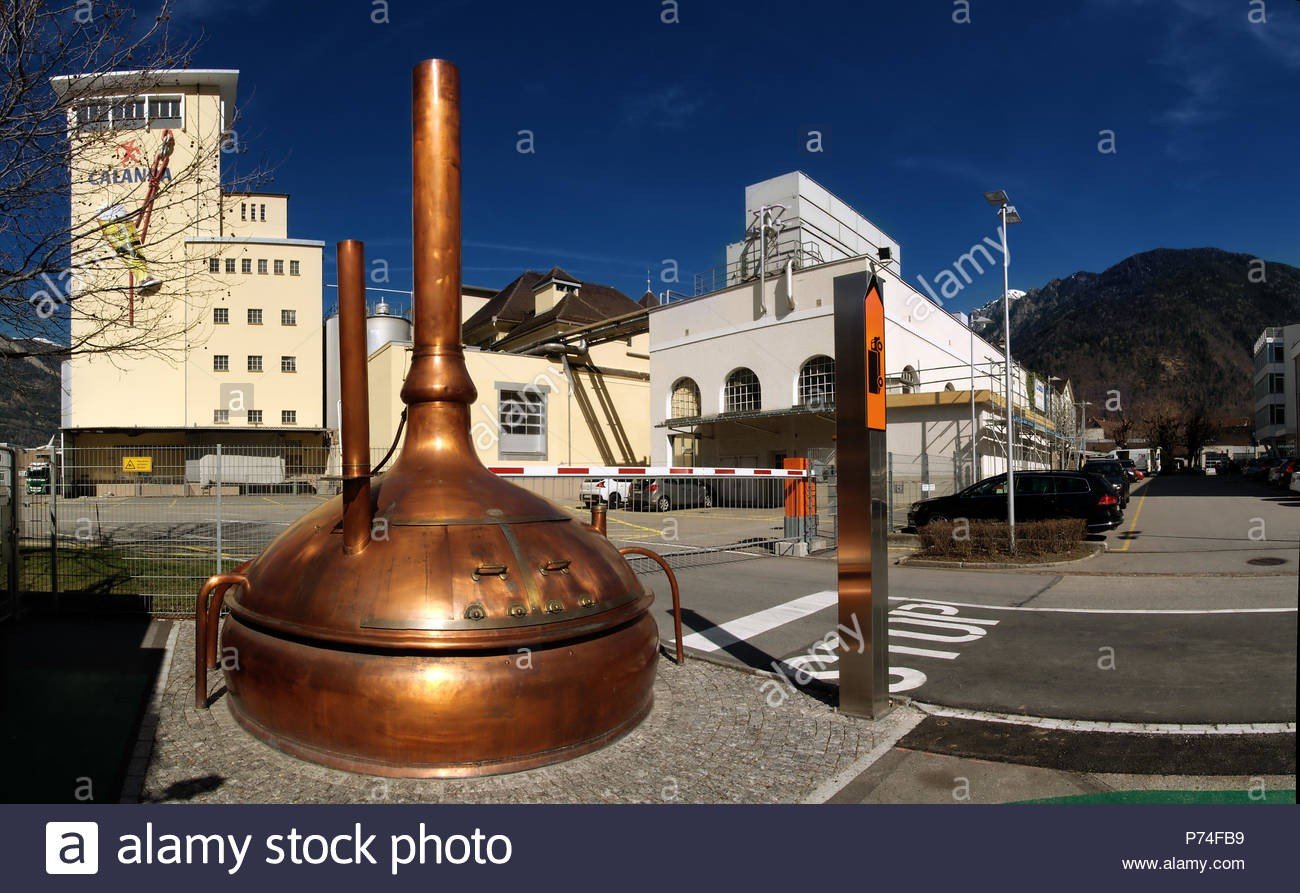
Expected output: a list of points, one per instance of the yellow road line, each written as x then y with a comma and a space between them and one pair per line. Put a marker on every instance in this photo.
1132, 524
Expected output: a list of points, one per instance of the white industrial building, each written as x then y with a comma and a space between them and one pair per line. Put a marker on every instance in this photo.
744, 375
1277, 400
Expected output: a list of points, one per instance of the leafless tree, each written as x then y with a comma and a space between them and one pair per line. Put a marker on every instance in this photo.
1160, 421
44, 251
1198, 430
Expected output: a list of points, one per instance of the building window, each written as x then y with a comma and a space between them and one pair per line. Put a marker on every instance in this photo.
1275, 352
221, 316
230, 265
1276, 383
288, 317
685, 400
243, 211
279, 268
288, 364
221, 362
262, 212
910, 379
254, 316
1277, 414
254, 362
214, 265
742, 392
295, 268
255, 417
164, 110
817, 383
521, 413
261, 266
129, 114
221, 417
288, 417
246, 265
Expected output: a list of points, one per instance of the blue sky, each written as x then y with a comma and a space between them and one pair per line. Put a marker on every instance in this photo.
646, 133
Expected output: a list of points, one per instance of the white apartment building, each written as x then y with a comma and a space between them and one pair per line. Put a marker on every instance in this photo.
1277, 400
745, 375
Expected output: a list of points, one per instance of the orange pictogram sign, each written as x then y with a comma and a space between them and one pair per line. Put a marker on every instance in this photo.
875, 342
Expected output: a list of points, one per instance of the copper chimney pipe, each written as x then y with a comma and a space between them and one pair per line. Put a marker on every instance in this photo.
357, 507
487, 629
438, 371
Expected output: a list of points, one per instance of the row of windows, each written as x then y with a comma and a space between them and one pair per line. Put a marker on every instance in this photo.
221, 316
250, 211
221, 363
130, 113
246, 266
742, 391
222, 416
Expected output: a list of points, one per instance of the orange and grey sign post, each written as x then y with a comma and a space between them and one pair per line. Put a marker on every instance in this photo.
863, 528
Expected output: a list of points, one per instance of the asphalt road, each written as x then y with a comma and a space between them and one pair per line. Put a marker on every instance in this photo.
1174, 625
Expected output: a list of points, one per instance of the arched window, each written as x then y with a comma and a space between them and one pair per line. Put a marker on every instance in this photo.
685, 399
817, 382
909, 379
742, 392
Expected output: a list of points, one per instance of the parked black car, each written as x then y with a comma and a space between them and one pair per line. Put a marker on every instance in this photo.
1113, 472
1039, 495
666, 494
1130, 469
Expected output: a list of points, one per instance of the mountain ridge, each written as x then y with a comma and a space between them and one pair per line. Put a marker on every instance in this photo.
1169, 322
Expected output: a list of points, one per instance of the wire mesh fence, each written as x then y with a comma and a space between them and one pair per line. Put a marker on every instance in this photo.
912, 478
146, 526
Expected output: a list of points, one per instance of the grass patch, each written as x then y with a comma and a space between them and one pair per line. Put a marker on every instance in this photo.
167, 582
1036, 541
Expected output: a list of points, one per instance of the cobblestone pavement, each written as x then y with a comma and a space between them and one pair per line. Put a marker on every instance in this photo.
711, 738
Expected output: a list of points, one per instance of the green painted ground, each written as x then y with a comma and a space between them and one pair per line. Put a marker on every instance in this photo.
1180, 797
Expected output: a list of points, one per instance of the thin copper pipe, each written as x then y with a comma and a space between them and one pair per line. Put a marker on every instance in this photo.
207, 613
357, 507
598, 518
672, 584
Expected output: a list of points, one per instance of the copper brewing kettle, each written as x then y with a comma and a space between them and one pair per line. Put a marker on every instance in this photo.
435, 620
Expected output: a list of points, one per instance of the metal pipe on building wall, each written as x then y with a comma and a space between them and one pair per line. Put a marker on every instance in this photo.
354, 391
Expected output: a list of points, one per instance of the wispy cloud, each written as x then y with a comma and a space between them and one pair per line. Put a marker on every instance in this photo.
668, 108
553, 253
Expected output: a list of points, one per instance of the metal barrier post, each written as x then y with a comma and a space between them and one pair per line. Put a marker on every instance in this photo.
797, 502
218, 507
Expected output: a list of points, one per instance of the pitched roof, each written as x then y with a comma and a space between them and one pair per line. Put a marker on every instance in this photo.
513, 303
557, 273
649, 299
592, 302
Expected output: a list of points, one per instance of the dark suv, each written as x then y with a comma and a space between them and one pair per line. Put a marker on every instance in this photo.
1113, 472
1039, 495
666, 494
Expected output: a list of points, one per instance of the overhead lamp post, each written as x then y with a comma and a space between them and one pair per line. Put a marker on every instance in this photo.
974, 430
1083, 423
1007, 212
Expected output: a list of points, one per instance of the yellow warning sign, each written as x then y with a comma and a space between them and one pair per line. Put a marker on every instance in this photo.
138, 464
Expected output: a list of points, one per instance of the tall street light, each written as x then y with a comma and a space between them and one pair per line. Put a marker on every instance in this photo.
1083, 424
974, 429
1007, 211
